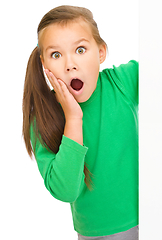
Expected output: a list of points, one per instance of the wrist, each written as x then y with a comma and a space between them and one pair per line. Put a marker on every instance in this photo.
73, 116
73, 119
73, 129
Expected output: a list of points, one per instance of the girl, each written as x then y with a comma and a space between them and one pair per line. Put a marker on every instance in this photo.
84, 134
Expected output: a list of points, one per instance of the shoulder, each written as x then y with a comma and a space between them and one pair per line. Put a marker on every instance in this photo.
124, 77
122, 70
127, 70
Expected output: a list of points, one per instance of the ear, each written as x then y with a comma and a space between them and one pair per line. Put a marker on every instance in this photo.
102, 53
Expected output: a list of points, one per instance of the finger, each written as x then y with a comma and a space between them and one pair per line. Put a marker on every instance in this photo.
62, 84
64, 88
50, 76
53, 80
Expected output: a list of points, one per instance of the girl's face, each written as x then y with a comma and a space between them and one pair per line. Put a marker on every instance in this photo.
72, 55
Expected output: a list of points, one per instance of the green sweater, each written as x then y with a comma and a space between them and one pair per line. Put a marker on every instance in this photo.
110, 136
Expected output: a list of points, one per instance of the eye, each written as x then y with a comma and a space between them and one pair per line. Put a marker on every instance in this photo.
56, 55
80, 50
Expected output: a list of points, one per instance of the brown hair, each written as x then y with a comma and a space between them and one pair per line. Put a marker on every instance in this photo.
39, 102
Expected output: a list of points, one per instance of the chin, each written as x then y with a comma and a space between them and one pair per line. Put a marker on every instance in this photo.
82, 99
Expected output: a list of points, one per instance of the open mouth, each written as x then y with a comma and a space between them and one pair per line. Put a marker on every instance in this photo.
76, 84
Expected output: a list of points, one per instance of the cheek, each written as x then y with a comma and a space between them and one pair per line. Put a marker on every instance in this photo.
93, 71
93, 66
93, 61
54, 67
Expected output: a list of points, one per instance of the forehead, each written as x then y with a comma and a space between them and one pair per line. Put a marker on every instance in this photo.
72, 31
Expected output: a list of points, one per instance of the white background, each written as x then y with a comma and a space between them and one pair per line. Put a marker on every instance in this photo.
150, 120
27, 210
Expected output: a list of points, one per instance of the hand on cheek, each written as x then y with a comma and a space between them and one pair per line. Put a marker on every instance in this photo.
70, 106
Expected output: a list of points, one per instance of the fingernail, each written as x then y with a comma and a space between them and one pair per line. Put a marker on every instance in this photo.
50, 73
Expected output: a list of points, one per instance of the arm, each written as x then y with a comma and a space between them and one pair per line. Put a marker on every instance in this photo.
126, 76
73, 130
63, 173
72, 110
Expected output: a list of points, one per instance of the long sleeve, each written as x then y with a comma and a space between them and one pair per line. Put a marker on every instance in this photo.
127, 74
62, 172
126, 78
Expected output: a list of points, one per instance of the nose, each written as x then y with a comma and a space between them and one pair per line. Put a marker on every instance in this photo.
70, 64
68, 69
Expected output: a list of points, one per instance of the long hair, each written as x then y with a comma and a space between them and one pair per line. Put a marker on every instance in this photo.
39, 102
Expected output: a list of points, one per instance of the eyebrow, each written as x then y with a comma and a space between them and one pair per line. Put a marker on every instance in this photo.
81, 40
75, 43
